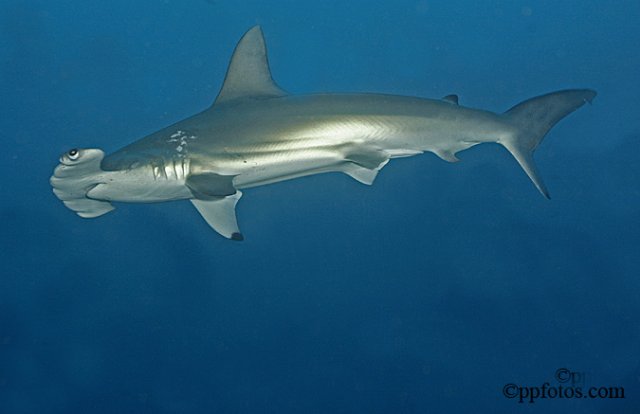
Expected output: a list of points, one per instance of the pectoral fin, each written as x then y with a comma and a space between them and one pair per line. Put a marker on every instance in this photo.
208, 185
220, 214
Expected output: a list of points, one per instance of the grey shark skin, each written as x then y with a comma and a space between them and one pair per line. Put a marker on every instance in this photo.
256, 134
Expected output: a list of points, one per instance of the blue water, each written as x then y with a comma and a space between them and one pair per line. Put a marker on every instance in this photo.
427, 292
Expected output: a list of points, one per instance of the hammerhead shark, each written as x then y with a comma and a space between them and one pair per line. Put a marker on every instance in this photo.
255, 134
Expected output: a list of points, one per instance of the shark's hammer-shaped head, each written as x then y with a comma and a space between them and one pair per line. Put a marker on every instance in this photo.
77, 174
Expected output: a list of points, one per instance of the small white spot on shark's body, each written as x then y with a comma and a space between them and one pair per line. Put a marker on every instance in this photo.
182, 138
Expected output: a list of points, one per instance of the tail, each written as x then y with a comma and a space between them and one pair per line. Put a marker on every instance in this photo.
533, 118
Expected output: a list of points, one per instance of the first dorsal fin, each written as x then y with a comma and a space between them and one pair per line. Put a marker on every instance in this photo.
248, 75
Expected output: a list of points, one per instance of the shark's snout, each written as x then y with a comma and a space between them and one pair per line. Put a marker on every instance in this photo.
78, 172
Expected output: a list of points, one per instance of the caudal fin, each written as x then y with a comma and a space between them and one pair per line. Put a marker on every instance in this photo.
533, 118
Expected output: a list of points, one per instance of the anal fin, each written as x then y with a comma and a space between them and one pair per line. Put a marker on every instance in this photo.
448, 156
220, 214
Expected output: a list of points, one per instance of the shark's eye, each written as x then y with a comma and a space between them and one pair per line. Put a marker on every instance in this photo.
73, 154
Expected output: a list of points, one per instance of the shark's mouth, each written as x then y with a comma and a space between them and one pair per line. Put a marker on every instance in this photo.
78, 172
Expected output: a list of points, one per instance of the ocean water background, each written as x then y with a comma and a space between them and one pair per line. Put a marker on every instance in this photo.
427, 292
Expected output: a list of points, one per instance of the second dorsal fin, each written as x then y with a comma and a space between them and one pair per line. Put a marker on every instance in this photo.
453, 99
248, 75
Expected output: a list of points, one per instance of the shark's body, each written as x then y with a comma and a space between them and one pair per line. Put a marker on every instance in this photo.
257, 134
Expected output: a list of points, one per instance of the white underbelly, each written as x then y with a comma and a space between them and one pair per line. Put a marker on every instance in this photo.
136, 187
271, 168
